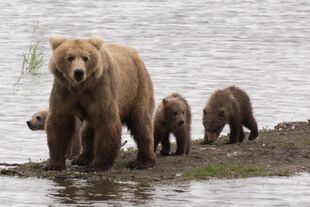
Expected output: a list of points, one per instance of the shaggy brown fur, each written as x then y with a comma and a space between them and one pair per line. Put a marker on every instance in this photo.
229, 106
105, 85
173, 115
37, 122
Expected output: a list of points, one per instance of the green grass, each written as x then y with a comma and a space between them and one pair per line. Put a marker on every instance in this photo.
33, 58
306, 141
232, 170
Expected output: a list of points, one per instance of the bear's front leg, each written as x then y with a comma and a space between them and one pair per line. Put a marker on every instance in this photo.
206, 139
235, 126
60, 129
161, 135
180, 138
106, 145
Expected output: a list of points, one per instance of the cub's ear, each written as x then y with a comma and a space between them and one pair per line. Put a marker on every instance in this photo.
165, 101
97, 42
56, 40
204, 111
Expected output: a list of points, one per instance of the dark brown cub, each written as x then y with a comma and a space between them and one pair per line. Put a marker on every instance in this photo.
173, 115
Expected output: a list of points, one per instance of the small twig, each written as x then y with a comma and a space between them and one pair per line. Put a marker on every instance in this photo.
125, 142
10, 172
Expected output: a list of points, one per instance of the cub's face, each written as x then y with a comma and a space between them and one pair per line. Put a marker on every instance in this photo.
213, 122
174, 113
75, 59
37, 121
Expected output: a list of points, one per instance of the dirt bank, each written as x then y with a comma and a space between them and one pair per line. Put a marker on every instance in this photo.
282, 151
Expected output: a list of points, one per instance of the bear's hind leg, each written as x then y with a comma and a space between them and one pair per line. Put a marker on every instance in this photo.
251, 124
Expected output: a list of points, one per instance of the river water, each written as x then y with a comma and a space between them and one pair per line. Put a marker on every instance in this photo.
190, 47
256, 192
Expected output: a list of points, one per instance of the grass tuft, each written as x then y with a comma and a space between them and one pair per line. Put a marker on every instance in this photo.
232, 170
33, 59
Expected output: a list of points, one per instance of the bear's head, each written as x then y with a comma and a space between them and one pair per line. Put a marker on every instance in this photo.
214, 121
75, 60
37, 121
174, 109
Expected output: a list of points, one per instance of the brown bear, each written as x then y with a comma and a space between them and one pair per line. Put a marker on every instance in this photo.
106, 85
229, 106
37, 122
173, 115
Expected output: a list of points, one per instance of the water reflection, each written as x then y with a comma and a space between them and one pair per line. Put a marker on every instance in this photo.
255, 192
75, 191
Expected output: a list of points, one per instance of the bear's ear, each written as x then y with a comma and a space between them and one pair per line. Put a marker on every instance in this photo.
165, 101
204, 111
56, 40
97, 42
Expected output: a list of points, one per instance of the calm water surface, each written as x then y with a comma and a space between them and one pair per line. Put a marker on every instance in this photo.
256, 192
190, 47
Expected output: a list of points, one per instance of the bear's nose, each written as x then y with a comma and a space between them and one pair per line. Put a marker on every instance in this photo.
29, 124
78, 74
181, 123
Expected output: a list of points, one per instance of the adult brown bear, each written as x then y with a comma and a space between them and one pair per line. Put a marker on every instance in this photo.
105, 85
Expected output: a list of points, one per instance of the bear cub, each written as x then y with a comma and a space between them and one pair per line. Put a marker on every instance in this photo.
173, 115
229, 106
38, 122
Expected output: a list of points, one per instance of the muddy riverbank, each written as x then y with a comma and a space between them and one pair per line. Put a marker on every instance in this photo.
282, 151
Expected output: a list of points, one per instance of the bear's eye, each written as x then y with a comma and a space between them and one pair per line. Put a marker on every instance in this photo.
38, 118
70, 58
85, 59
175, 113
183, 112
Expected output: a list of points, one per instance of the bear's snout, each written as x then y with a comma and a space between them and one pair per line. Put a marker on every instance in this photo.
29, 124
181, 122
78, 74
